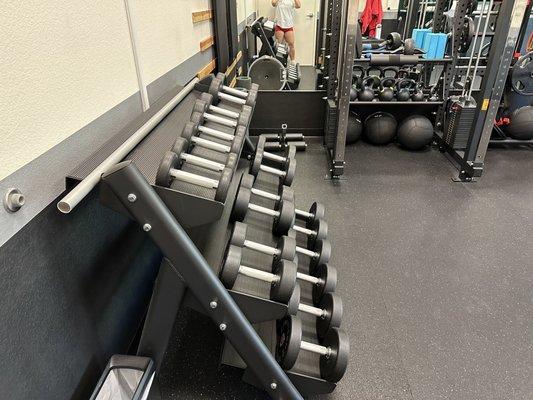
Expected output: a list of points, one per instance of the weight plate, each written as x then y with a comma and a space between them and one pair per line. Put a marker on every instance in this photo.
394, 41
285, 221
223, 185
230, 269
287, 246
323, 248
283, 290
268, 72
328, 282
255, 166
409, 47
289, 341
522, 75
238, 236
169, 161
290, 172
318, 210
332, 368
333, 306
294, 301
467, 34
240, 205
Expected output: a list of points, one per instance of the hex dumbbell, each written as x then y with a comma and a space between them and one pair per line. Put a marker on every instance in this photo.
333, 350
284, 250
189, 133
328, 311
219, 91
168, 171
315, 213
205, 104
181, 148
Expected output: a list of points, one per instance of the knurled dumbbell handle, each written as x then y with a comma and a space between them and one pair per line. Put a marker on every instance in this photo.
235, 92
273, 157
307, 252
304, 214
262, 248
303, 230
220, 120
198, 180
266, 195
224, 112
210, 145
263, 210
216, 133
308, 278
315, 348
317, 312
232, 99
272, 171
202, 162
257, 274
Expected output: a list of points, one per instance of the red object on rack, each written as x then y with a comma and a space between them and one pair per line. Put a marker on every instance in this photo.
371, 17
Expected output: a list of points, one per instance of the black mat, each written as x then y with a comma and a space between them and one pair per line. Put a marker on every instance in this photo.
436, 279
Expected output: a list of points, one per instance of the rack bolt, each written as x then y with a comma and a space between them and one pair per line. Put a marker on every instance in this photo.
14, 200
213, 304
273, 386
147, 227
222, 327
132, 198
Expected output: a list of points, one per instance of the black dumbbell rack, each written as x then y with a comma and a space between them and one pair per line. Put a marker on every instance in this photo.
191, 205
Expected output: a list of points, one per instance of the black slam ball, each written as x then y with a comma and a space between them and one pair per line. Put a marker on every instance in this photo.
415, 132
355, 128
521, 125
380, 127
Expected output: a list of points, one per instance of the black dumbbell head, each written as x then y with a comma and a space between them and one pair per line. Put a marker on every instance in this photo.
189, 130
252, 97
207, 98
245, 116
285, 220
232, 160
170, 161
181, 145
328, 282
323, 248
200, 106
332, 368
230, 267
255, 166
240, 205
222, 77
294, 302
289, 341
214, 88
197, 118
290, 151
290, 171
238, 236
282, 290
223, 184
247, 181
318, 210
320, 226
332, 304
238, 141
287, 247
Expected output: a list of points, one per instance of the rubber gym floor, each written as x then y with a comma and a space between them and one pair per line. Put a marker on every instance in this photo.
436, 279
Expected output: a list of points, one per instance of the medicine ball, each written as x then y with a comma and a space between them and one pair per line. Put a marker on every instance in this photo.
380, 127
521, 126
355, 128
415, 132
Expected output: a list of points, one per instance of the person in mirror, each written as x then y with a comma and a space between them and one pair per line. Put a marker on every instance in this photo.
284, 31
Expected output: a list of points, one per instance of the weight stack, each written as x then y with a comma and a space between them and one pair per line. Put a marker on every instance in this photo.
461, 113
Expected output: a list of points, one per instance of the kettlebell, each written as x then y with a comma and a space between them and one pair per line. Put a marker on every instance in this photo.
403, 95
418, 95
353, 92
367, 91
404, 87
387, 92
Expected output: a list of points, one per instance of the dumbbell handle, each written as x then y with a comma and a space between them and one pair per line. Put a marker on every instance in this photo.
273, 157
193, 178
232, 99
220, 120
202, 162
223, 111
304, 214
262, 248
235, 92
317, 312
210, 145
315, 348
303, 230
272, 171
258, 274
263, 210
216, 133
308, 278
266, 195
307, 252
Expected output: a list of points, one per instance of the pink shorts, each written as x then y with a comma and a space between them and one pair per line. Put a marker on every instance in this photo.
284, 30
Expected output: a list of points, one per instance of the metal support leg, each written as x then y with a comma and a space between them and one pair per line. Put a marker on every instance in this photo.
157, 221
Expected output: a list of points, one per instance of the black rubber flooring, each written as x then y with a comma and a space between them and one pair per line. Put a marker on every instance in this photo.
436, 278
